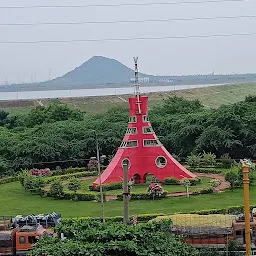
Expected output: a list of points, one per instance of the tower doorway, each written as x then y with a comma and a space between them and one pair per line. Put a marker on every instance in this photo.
149, 178
136, 178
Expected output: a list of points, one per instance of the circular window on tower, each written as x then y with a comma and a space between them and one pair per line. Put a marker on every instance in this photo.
126, 161
161, 162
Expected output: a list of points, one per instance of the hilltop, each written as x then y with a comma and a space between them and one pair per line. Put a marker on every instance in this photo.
97, 70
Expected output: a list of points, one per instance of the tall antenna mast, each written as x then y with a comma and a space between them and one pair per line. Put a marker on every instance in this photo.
136, 73
136, 83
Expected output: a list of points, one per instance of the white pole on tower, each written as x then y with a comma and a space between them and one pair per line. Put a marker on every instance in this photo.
136, 83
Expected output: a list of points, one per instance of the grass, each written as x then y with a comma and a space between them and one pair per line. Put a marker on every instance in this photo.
14, 200
211, 97
137, 189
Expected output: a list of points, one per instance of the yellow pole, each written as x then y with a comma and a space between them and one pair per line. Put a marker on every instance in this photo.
245, 169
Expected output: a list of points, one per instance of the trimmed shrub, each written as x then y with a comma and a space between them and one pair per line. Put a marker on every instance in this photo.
202, 191
171, 181
142, 196
141, 218
56, 189
206, 170
107, 187
174, 181
231, 176
194, 181
232, 210
23, 176
79, 196
34, 184
210, 211
74, 184
68, 171
214, 183
8, 180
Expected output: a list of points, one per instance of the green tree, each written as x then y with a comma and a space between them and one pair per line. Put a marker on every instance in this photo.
96, 238
3, 167
51, 114
250, 98
58, 133
3, 117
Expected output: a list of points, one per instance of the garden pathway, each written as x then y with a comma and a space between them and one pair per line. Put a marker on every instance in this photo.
223, 185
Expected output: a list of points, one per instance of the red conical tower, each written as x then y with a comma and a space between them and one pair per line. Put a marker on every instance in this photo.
142, 148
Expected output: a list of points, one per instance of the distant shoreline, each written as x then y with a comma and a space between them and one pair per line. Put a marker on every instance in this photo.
156, 82
78, 93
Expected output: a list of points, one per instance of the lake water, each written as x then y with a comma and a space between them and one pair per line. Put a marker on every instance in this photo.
75, 93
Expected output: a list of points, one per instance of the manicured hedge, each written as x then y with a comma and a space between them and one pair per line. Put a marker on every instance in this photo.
194, 181
68, 171
232, 210
67, 176
206, 170
80, 196
107, 187
8, 180
141, 218
175, 181
202, 191
143, 196
171, 181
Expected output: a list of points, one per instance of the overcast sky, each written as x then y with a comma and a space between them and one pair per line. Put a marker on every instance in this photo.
37, 62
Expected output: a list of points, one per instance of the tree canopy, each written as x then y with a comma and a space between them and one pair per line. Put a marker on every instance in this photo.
56, 134
96, 238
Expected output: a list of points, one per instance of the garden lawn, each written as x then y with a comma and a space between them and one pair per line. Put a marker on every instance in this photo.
14, 200
138, 189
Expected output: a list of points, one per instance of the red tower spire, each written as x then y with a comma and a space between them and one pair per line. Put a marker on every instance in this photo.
142, 148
